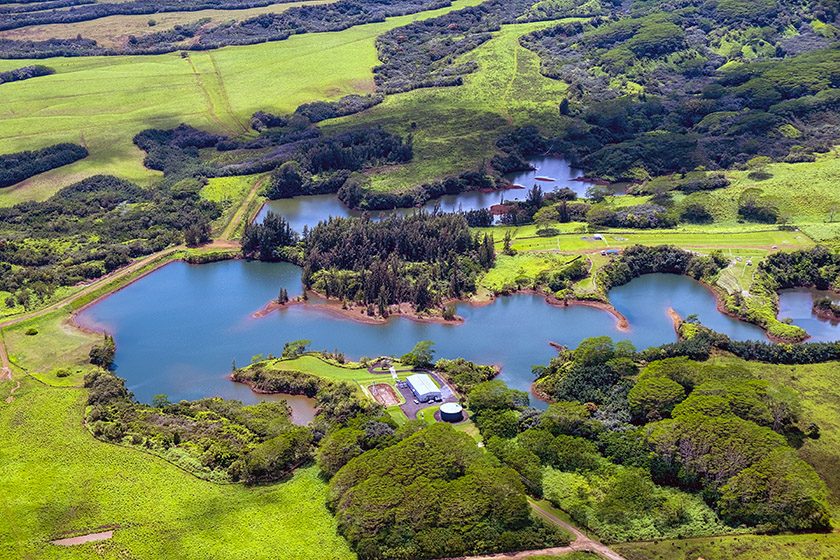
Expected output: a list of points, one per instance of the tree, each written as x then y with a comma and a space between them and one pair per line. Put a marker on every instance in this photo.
295, 348
160, 401
495, 395
102, 355
544, 218
655, 395
338, 448
421, 356
564, 106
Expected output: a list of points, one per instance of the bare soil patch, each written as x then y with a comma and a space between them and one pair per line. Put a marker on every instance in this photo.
81, 539
384, 394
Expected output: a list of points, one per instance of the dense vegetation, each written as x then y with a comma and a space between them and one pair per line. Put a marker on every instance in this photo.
91, 228
25, 73
212, 438
709, 429
652, 93
431, 495
421, 259
817, 268
304, 161
40, 13
14, 168
639, 259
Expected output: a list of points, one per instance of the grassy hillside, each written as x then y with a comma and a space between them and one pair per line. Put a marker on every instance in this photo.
455, 128
56, 479
102, 102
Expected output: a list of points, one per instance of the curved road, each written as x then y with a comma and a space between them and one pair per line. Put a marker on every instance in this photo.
581, 543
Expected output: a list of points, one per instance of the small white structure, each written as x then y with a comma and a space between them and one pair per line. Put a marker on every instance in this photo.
451, 412
394, 374
423, 387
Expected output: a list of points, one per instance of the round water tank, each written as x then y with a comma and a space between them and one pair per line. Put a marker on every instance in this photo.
451, 412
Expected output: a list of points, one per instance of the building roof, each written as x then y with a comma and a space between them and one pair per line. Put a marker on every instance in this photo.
422, 383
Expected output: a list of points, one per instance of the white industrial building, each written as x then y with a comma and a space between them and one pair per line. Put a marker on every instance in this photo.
423, 387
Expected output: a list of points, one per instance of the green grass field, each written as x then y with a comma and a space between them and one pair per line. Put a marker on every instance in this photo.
102, 102
58, 345
55, 478
112, 31
455, 128
742, 547
524, 266
231, 193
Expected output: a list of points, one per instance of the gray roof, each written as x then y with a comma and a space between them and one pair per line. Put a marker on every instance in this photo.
422, 383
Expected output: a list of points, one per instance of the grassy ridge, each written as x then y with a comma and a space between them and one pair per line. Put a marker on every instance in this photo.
55, 477
102, 102
455, 128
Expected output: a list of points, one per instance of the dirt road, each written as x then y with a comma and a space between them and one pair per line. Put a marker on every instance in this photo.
581, 543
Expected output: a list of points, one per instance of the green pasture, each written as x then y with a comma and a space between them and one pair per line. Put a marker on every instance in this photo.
111, 31
803, 191
742, 547
315, 365
56, 480
739, 242
58, 345
522, 267
102, 102
231, 192
455, 128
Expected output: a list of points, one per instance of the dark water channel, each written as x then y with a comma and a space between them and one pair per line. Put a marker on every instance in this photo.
797, 304
179, 329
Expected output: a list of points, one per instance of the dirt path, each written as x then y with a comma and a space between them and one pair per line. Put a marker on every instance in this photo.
225, 236
581, 543
209, 100
223, 93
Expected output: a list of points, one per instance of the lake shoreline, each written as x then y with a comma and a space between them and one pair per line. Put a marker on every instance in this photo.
357, 313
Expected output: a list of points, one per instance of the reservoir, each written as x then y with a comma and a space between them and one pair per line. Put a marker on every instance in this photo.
550, 172
309, 210
179, 330
797, 304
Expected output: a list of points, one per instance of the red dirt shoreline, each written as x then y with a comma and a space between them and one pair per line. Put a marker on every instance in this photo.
357, 313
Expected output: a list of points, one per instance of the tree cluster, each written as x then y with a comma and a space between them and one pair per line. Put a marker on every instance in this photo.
103, 223
429, 53
637, 260
16, 167
212, 438
421, 259
431, 495
695, 109
25, 73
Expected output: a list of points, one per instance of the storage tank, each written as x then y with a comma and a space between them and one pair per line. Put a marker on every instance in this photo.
451, 412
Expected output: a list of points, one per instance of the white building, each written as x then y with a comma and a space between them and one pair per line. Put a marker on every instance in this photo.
423, 387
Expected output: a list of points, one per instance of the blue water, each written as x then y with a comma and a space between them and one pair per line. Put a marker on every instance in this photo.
179, 329
797, 304
309, 210
550, 167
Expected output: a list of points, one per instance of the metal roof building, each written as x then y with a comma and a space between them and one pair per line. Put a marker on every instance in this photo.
423, 387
